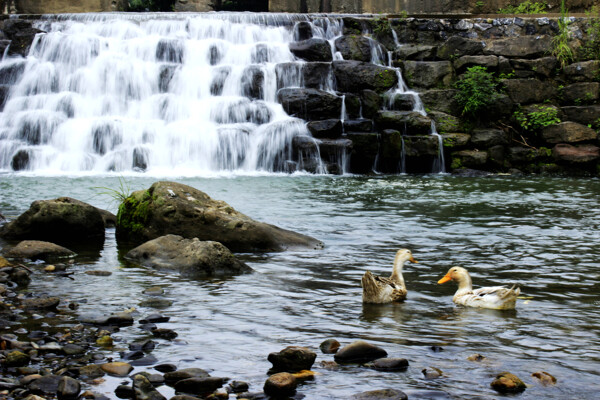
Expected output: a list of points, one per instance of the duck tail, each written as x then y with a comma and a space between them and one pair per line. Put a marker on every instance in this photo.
514, 290
369, 285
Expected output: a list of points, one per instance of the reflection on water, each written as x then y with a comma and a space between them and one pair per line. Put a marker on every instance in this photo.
540, 233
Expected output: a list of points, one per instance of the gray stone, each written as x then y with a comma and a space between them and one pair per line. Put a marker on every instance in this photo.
329, 128
310, 104
470, 158
580, 93
45, 385
68, 388
443, 100
381, 394
576, 154
568, 132
314, 49
38, 250
417, 52
174, 208
584, 71
292, 359
485, 138
186, 373
199, 386
543, 67
464, 62
390, 364
457, 46
427, 74
190, 257
527, 91
280, 384
144, 390
355, 76
59, 220
407, 122
582, 114
359, 351
520, 46
353, 47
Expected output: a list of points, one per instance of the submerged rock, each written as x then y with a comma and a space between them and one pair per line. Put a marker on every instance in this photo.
191, 257
432, 373
506, 382
174, 208
382, 394
544, 378
38, 250
359, 351
292, 359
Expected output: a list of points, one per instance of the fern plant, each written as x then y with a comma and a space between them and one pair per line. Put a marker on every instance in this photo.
476, 90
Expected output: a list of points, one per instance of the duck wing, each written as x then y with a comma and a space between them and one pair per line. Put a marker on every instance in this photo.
377, 289
493, 297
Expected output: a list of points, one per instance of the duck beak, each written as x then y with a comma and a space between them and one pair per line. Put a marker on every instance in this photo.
411, 259
445, 279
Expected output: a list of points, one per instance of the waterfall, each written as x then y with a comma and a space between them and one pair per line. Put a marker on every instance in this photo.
172, 93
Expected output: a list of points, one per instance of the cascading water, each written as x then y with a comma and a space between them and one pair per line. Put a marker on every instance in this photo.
191, 93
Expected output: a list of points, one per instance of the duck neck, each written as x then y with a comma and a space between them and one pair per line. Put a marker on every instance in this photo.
465, 285
397, 271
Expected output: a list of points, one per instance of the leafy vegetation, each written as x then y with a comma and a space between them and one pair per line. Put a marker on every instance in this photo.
590, 48
537, 117
526, 7
560, 43
476, 90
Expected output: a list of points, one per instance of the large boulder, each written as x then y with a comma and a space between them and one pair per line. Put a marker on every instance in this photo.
311, 104
190, 257
169, 207
354, 76
458, 46
61, 220
314, 49
576, 154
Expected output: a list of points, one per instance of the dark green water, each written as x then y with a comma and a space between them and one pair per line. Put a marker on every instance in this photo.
540, 233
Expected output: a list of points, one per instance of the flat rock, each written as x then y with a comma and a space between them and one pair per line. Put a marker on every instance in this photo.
576, 154
199, 386
390, 364
568, 132
186, 373
190, 257
38, 250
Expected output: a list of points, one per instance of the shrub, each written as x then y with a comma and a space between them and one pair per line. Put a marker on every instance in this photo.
537, 117
526, 7
476, 90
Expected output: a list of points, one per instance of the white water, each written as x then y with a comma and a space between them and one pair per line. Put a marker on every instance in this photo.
166, 94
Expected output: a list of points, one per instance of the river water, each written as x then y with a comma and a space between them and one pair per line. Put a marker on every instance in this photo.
541, 233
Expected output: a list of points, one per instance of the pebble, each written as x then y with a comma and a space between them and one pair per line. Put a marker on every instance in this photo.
432, 372
330, 346
292, 359
117, 368
164, 333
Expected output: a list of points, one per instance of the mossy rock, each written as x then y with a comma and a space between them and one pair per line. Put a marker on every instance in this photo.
174, 208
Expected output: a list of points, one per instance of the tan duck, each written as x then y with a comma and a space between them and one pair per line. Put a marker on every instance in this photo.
494, 297
377, 289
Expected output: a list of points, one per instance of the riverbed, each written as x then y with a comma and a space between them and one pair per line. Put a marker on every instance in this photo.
541, 233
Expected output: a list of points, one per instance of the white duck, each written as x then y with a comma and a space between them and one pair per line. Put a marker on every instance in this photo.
495, 297
377, 289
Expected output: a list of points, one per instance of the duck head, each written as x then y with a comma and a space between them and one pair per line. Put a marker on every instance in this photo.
404, 255
457, 274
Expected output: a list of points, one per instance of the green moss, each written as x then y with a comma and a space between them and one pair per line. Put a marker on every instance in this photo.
387, 78
456, 163
134, 212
